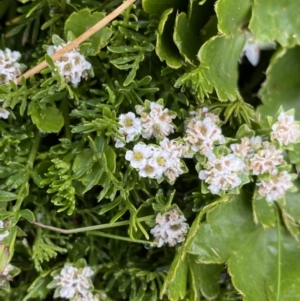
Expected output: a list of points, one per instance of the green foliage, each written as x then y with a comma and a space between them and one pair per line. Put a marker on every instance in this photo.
79, 22
68, 194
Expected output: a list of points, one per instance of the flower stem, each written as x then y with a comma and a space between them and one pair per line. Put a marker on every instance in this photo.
91, 228
65, 109
34, 149
102, 234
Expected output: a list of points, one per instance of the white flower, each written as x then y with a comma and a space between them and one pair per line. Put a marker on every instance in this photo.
170, 229
266, 159
247, 147
148, 171
7, 270
222, 173
74, 282
275, 188
72, 65
119, 143
202, 132
175, 148
4, 276
156, 123
252, 48
285, 130
130, 124
4, 113
160, 161
10, 69
174, 171
129, 127
3, 234
138, 157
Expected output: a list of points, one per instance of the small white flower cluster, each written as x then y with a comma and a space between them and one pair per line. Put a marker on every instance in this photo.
129, 127
286, 130
5, 275
264, 160
222, 169
10, 69
255, 157
160, 161
8, 274
75, 283
202, 132
156, 123
247, 147
171, 228
72, 65
222, 173
275, 187
3, 233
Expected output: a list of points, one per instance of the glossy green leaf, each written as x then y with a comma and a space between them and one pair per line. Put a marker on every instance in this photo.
79, 22
176, 281
83, 163
186, 40
157, 7
165, 48
264, 266
6, 196
281, 87
47, 119
263, 212
294, 155
199, 14
27, 214
232, 15
204, 278
110, 158
92, 178
219, 58
276, 20
224, 231
291, 211
38, 289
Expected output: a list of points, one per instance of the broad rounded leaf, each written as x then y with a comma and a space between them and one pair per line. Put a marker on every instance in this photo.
186, 40
80, 22
156, 7
219, 58
205, 277
224, 231
47, 119
264, 267
200, 14
232, 15
291, 211
165, 48
281, 87
176, 280
276, 20
263, 212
